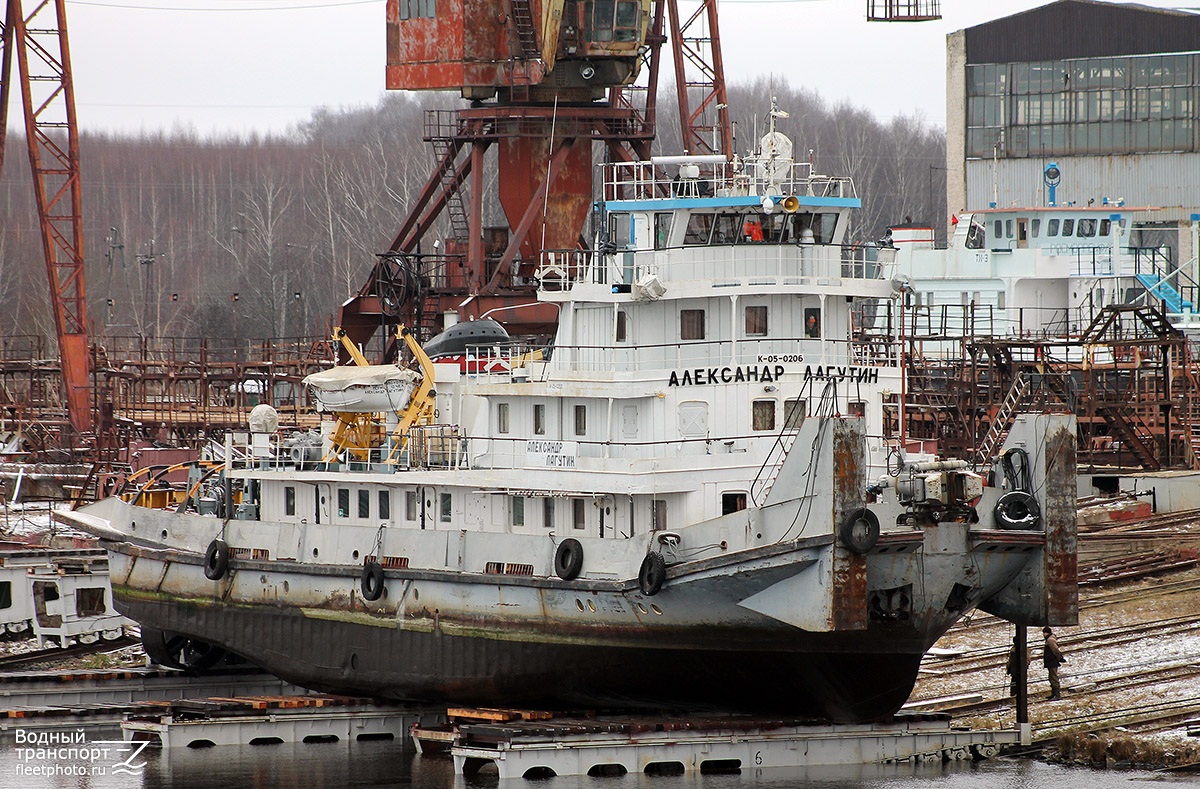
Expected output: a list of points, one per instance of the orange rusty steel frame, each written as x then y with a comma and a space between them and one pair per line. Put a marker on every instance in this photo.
707, 74
40, 41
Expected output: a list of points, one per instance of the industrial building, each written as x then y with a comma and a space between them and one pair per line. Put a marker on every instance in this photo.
1106, 91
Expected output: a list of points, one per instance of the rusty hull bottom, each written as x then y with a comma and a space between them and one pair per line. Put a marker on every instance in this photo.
864, 684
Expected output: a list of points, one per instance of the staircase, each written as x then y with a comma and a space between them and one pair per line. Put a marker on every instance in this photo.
523, 24
1002, 420
1162, 290
456, 207
1133, 432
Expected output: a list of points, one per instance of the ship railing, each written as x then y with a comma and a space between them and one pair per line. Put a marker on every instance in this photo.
749, 264
753, 177
439, 446
517, 360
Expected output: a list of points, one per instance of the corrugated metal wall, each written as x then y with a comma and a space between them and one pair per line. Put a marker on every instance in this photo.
1165, 180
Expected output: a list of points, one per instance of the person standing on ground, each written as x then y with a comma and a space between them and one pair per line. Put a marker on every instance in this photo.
1011, 669
1052, 658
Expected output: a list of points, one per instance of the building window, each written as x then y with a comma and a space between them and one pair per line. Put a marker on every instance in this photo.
763, 414
364, 503
578, 513
691, 324
447, 507
501, 417
581, 420
343, 502
658, 515
548, 512
289, 500
410, 505
622, 326
539, 420
732, 502
518, 510
756, 321
385, 505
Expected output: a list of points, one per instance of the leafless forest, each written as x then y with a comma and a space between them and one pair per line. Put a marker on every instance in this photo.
265, 237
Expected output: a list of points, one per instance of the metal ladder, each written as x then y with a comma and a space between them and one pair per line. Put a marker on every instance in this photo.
1003, 419
523, 22
456, 207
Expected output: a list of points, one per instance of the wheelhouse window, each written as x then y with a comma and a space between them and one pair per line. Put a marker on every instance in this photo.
289, 500
343, 502
662, 229
539, 419
699, 228
763, 414
501, 417
610, 20
447, 509
364, 503
581, 420
691, 324
756, 321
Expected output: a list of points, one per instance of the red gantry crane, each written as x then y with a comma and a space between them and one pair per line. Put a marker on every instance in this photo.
38, 36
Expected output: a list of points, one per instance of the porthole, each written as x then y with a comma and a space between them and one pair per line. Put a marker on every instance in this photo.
641, 608
416, 594
286, 587
591, 606
579, 605
315, 553
262, 579
656, 609
164, 534
354, 556
133, 525
354, 661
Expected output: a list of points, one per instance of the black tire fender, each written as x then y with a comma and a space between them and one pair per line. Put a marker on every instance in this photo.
859, 530
652, 573
568, 559
216, 560
371, 582
1017, 510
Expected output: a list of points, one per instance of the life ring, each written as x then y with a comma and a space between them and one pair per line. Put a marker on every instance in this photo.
652, 573
372, 581
216, 560
859, 530
1018, 510
568, 559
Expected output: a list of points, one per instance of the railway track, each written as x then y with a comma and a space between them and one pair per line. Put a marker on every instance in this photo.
59, 653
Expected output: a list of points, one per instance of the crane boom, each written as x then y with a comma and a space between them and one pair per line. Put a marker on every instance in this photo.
40, 42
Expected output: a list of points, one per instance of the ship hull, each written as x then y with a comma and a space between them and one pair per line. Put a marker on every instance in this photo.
840, 677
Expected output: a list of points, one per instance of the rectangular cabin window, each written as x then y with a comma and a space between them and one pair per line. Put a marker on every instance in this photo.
539, 419
732, 502
518, 510
658, 514
691, 324
89, 601
289, 500
1068, 228
1008, 228
578, 513
999, 228
699, 228
1105, 227
548, 512
858, 408
618, 230
662, 230
756, 321
501, 417
1035, 227
581, 420
763, 412
410, 505
1052, 227
794, 412
343, 502
1086, 228
447, 507
364, 503
622, 329
385, 505
812, 322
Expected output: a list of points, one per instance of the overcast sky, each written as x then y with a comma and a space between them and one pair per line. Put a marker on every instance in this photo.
221, 66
